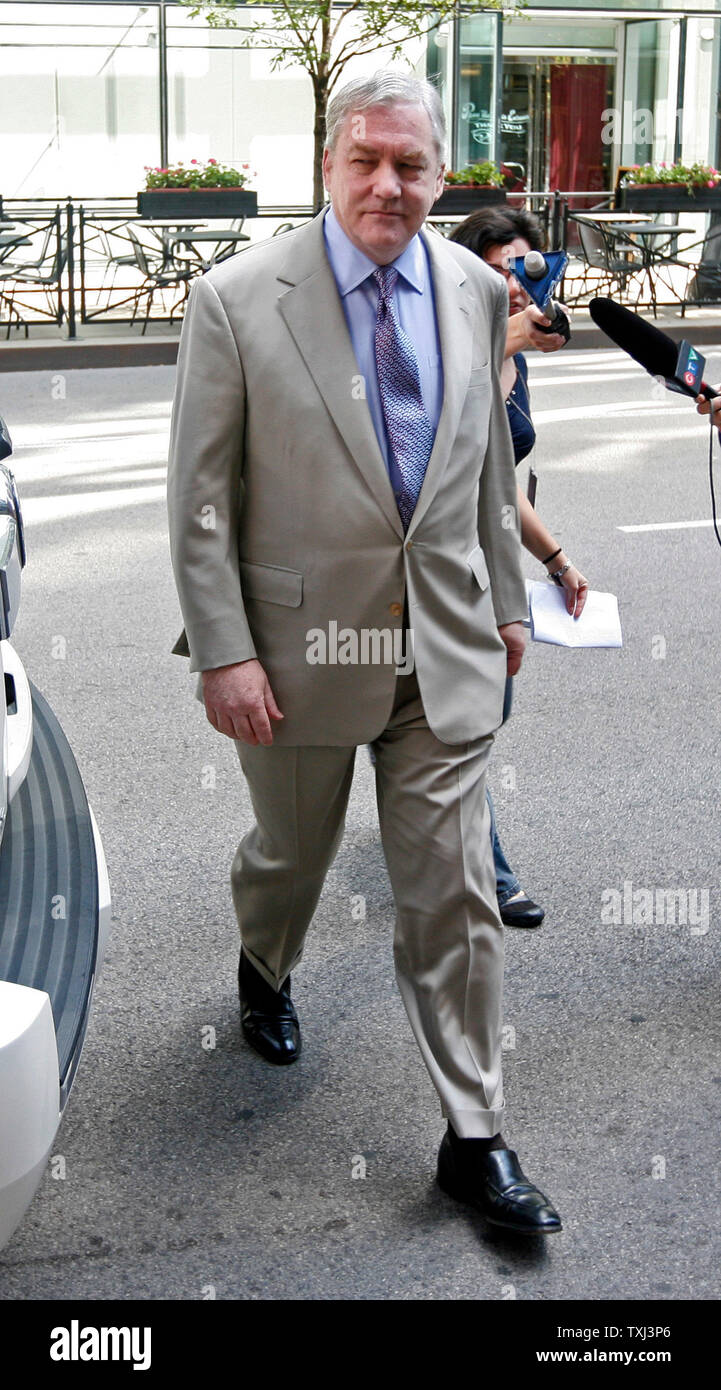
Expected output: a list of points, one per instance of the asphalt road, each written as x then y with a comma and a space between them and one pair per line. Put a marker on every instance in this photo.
192, 1169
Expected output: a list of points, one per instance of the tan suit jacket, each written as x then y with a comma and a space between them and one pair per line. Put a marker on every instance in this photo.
282, 515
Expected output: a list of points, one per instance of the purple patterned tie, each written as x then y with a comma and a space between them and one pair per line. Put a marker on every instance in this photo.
410, 433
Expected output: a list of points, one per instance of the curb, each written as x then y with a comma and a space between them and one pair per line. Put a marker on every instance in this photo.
163, 351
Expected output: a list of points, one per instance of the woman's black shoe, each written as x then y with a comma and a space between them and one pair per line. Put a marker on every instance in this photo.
521, 912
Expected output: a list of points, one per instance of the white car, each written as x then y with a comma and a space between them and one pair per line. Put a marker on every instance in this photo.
54, 901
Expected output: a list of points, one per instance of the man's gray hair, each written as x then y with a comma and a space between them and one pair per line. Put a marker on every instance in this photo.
384, 88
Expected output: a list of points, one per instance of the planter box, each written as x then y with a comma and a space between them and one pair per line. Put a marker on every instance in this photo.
198, 202
670, 197
463, 197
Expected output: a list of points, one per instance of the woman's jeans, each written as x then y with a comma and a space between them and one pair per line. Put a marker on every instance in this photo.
507, 884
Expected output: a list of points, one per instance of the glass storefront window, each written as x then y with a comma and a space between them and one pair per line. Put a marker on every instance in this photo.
80, 98
557, 79
649, 107
475, 97
81, 87
552, 121
559, 35
226, 102
700, 127
439, 65
659, 5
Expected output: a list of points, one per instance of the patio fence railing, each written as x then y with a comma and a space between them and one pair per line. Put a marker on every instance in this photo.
89, 269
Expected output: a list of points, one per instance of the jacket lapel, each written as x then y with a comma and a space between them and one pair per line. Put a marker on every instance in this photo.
314, 315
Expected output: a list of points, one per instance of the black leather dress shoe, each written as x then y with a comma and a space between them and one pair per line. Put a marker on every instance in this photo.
268, 1020
521, 912
495, 1184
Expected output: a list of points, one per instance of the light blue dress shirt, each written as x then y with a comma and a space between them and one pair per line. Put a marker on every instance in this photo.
415, 310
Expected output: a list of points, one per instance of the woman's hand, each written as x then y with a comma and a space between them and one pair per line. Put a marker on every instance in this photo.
523, 332
538, 540
575, 586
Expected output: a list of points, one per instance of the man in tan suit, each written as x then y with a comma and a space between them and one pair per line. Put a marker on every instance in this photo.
341, 471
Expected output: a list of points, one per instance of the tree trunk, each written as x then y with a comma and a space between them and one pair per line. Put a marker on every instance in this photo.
320, 92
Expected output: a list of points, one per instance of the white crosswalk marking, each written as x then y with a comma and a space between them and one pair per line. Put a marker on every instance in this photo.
665, 526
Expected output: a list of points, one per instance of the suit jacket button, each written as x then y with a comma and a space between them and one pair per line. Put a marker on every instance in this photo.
395, 610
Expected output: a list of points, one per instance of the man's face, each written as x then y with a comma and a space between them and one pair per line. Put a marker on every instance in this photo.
383, 177
500, 258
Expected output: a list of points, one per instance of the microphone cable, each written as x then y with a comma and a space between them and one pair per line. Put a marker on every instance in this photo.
710, 472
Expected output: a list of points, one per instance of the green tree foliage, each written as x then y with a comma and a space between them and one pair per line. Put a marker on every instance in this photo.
322, 38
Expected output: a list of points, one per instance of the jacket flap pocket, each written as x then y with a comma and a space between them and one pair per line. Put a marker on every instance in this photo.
480, 375
271, 583
477, 562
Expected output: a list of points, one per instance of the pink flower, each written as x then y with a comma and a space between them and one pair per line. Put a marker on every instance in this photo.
710, 183
194, 161
212, 161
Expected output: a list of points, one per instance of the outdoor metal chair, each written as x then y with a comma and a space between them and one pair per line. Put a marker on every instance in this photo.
237, 225
46, 275
50, 232
704, 285
157, 278
113, 262
600, 257
6, 273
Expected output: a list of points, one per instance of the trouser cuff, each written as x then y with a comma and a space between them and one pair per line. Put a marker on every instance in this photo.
476, 1124
274, 981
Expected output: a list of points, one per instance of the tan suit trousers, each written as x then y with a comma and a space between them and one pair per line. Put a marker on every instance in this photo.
448, 944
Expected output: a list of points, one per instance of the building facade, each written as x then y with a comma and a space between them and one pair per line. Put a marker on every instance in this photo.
563, 94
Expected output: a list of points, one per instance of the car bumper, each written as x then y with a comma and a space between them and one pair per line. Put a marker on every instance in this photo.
54, 922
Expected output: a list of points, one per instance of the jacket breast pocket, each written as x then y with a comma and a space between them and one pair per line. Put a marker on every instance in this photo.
477, 562
480, 376
271, 583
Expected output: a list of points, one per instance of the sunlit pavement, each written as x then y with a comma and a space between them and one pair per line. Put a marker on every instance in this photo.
192, 1169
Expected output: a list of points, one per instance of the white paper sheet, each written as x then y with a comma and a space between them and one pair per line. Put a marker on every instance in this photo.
598, 626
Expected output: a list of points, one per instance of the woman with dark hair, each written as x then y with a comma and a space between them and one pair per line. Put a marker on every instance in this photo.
497, 234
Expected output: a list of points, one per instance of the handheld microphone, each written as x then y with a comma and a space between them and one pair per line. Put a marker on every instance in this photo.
679, 364
539, 274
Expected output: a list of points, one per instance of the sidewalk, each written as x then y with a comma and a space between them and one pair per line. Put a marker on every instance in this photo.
97, 345
118, 345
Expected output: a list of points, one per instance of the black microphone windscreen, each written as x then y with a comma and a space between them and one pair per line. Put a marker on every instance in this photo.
644, 342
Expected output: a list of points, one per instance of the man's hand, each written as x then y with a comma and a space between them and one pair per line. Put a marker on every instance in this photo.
705, 407
515, 637
239, 701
